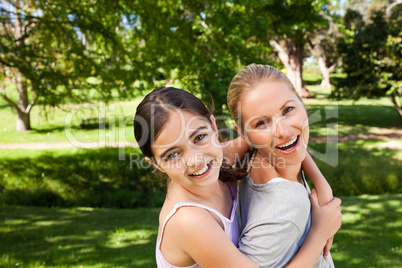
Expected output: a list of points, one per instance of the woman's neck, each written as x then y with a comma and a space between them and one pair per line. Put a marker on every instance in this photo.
263, 171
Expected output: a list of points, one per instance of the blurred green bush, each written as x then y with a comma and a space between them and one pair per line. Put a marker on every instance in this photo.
97, 178
79, 177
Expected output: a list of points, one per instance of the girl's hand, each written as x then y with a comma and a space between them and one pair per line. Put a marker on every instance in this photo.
325, 220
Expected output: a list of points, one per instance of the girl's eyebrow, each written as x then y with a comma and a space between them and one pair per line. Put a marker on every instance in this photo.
174, 147
166, 151
197, 130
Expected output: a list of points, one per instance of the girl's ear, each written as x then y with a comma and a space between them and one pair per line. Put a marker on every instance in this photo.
213, 122
149, 160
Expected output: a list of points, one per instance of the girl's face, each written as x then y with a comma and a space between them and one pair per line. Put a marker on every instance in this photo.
275, 122
188, 150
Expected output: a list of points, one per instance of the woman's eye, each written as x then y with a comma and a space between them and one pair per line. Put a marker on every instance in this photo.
199, 138
287, 110
261, 123
171, 156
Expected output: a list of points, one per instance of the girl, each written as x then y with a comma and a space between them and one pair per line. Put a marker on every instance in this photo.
198, 223
275, 208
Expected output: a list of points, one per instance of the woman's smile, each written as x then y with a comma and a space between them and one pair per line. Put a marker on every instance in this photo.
289, 147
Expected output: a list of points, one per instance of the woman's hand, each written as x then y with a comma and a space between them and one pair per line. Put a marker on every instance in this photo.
325, 220
327, 247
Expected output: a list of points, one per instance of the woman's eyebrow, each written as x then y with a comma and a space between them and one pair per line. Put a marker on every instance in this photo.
283, 106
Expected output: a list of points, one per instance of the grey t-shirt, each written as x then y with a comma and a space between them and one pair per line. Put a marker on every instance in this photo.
275, 221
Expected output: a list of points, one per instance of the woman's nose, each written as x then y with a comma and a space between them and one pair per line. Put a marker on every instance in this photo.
281, 127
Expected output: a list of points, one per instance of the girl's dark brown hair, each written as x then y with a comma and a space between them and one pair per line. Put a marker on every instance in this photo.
154, 111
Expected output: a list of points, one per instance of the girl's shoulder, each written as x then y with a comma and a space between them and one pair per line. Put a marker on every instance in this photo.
182, 214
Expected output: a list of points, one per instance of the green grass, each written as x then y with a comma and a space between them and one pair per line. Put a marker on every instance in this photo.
359, 167
77, 237
371, 232
348, 116
53, 126
370, 235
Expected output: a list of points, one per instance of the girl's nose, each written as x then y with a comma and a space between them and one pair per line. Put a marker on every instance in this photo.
192, 157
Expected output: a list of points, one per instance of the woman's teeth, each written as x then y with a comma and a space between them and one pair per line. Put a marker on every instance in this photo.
287, 144
202, 171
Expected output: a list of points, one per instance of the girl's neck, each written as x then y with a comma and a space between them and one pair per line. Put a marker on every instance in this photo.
178, 193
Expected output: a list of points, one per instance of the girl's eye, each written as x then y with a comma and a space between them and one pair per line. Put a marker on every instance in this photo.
287, 110
199, 138
261, 123
171, 156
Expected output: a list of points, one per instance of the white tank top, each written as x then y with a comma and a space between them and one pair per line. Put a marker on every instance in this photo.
230, 226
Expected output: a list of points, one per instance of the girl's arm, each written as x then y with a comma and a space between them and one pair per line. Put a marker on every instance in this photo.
234, 150
324, 191
197, 234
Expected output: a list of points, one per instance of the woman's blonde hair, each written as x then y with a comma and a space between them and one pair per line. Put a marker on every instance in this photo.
249, 78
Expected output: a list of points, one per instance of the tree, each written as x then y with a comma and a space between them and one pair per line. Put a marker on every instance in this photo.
49, 49
372, 56
293, 23
203, 42
323, 44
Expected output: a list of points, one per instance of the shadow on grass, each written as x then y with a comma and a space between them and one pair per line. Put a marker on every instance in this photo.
85, 177
370, 233
358, 114
36, 237
361, 170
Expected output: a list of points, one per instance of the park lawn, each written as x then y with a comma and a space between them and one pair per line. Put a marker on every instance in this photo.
345, 117
77, 237
370, 235
63, 124
326, 117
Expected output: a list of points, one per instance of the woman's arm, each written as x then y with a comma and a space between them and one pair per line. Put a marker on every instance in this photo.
326, 221
324, 190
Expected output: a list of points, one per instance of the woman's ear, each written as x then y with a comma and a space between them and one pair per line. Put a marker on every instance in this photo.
149, 160
238, 130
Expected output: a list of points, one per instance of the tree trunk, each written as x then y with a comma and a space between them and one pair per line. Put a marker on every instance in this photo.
23, 106
398, 108
325, 71
292, 59
23, 118
23, 121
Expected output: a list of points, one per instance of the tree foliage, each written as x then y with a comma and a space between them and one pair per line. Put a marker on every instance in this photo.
51, 48
372, 56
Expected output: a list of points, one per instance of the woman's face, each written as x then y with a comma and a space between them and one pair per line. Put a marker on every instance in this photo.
275, 122
188, 150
